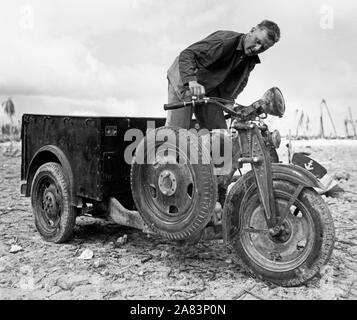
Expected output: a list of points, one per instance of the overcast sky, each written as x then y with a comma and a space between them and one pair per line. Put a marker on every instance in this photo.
109, 57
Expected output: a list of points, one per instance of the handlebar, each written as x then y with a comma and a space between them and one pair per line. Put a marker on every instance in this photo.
226, 105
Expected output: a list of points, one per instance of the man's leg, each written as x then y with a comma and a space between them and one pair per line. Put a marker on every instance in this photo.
210, 116
179, 117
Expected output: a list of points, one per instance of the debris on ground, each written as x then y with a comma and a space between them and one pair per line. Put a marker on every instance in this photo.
70, 282
146, 259
87, 254
342, 175
15, 248
98, 263
121, 241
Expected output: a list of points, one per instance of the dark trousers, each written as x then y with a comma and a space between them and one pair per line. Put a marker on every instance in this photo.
208, 116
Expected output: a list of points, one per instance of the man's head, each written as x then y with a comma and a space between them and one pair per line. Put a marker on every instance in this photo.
261, 38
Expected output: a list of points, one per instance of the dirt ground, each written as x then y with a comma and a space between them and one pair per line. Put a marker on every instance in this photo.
154, 268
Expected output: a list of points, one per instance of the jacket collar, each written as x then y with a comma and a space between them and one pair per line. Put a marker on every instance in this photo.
240, 43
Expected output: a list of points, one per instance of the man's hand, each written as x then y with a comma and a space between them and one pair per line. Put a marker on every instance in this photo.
196, 88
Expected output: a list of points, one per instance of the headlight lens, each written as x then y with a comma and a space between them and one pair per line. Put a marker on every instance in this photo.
275, 138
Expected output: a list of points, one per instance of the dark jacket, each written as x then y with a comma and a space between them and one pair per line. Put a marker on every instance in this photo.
217, 62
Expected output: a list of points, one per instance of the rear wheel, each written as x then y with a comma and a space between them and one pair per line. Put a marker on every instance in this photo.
51, 203
175, 191
303, 245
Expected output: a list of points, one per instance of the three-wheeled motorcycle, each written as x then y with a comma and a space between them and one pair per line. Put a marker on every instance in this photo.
177, 187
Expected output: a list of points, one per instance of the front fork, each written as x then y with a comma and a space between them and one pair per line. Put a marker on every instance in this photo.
261, 166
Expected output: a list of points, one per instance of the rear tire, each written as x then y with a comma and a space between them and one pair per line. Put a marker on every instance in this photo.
51, 203
296, 254
176, 200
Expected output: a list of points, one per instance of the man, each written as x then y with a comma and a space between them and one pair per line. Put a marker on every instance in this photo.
217, 66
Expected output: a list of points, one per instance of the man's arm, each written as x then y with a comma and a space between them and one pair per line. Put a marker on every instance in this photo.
204, 52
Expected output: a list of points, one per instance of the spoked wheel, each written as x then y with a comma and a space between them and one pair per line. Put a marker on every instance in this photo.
302, 246
50, 197
175, 192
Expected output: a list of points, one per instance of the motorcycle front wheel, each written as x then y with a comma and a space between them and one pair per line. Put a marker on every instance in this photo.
303, 245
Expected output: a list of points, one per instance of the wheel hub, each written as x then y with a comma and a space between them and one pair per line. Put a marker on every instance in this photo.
167, 183
284, 233
50, 204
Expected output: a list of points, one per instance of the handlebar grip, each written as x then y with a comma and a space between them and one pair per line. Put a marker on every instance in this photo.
177, 105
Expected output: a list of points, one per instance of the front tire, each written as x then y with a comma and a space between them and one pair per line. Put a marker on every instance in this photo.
51, 203
298, 252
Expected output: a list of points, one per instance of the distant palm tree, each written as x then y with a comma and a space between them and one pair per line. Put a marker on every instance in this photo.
9, 108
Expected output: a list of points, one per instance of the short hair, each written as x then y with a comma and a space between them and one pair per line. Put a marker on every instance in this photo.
272, 29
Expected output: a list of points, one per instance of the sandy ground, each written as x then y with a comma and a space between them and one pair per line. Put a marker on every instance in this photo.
152, 267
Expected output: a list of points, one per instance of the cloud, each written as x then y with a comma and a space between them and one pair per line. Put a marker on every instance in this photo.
64, 67
109, 56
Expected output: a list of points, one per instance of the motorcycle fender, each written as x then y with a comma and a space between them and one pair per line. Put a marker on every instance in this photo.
296, 175
232, 206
